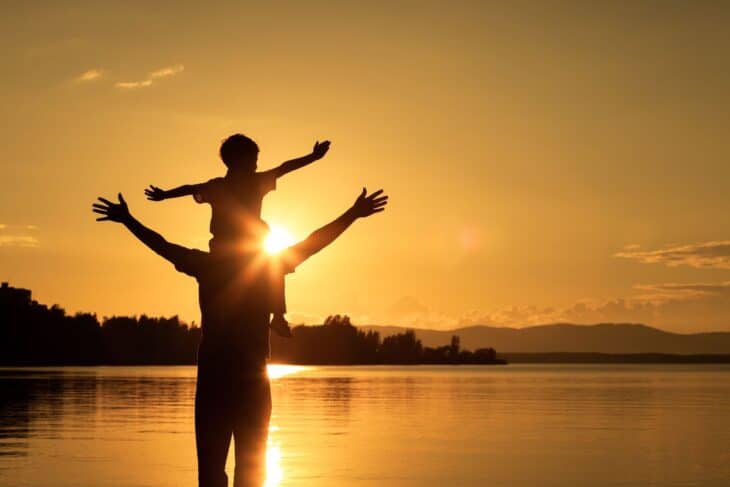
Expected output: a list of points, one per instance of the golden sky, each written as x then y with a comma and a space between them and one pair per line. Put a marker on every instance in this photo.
546, 160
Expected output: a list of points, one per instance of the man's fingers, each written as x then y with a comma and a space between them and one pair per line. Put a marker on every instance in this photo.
364, 192
121, 199
102, 219
382, 198
97, 206
379, 202
375, 194
104, 200
378, 210
101, 212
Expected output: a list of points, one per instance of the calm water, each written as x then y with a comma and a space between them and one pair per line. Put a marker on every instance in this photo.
518, 425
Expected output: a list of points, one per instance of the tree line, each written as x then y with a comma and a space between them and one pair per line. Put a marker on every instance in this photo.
35, 334
337, 341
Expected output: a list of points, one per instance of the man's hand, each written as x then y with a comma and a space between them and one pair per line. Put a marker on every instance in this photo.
154, 193
367, 205
364, 206
320, 149
115, 212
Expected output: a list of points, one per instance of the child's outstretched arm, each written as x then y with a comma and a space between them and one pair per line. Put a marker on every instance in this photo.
318, 152
154, 193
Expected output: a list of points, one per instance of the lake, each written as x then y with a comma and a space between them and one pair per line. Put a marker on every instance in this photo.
519, 425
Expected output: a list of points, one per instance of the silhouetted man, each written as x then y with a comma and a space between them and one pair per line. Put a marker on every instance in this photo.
232, 395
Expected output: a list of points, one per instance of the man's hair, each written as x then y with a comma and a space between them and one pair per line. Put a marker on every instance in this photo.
237, 147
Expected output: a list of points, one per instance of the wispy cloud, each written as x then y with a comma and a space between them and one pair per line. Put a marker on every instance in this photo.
672, 306
90, 75
681, 307
704, 255
17, 236
167, 71
678, 291
18, 241
133, 84
154, 76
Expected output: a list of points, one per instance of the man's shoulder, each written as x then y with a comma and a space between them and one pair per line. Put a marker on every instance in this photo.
189, 261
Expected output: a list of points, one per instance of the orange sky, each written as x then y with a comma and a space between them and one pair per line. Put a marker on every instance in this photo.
544, 163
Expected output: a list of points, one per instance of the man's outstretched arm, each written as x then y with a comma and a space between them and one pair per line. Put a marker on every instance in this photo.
119, 212
364, 206
318, 152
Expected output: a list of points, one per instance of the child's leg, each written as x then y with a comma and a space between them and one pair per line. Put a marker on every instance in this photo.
280, 326
278, 306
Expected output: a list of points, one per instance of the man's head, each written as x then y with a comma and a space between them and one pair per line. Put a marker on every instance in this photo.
239, 153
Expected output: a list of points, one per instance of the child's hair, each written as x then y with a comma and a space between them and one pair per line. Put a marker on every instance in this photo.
236, 148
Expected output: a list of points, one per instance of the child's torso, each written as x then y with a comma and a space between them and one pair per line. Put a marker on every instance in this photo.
236, 204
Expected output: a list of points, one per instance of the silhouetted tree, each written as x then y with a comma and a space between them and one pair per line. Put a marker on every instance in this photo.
454, 348
403, 348
34, 334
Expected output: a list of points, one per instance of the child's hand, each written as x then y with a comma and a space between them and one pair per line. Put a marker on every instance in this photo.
154, 193
320, 149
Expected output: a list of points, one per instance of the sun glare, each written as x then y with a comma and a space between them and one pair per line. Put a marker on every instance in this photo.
274, 472
277, 371
278, 239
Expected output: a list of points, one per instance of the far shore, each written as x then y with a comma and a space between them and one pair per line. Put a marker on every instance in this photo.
505, 359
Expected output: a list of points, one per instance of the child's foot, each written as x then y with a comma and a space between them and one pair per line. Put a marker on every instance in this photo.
281, 327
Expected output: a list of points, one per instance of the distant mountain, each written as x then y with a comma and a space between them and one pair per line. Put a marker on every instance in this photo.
615, 338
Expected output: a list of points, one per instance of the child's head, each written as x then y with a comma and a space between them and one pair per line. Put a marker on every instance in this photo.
238, 152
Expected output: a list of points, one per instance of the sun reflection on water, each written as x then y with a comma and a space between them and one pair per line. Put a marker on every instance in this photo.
274, 472
277, 371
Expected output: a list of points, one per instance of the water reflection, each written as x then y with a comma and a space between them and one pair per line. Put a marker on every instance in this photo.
79, 403
277, 371
372, 425
274, 472
14, 417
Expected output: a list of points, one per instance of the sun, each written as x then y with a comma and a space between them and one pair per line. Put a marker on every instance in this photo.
278, 239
